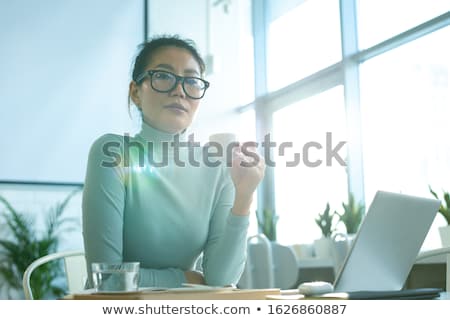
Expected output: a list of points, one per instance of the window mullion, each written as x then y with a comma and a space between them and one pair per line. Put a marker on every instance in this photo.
349, 38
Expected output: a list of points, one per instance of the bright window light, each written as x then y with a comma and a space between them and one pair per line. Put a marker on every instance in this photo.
382, 19
302, 192
405, 101
303, 41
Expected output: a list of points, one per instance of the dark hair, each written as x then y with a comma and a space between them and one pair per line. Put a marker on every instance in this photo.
147, 49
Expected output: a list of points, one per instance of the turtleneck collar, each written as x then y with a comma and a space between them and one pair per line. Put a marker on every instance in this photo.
149, 133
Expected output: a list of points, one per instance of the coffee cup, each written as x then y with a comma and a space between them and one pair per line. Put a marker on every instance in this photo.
224, 144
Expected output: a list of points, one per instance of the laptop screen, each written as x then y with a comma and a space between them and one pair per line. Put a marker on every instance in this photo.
387, 243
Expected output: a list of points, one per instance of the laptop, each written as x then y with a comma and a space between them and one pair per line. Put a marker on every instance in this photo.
387, 244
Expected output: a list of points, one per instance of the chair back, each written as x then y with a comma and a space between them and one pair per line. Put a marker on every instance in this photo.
74, 266
285, 266
268, 265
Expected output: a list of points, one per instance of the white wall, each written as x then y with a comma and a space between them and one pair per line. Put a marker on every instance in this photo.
63, 82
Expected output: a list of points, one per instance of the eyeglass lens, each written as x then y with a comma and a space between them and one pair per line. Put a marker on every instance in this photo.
165, 81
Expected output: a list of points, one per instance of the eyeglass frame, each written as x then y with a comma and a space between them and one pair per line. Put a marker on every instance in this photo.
149, 73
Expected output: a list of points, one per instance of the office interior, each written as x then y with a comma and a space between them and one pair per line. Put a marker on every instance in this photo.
371, 74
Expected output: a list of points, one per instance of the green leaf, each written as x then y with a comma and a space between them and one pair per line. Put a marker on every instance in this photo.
352, 215
325, 221
433, 193
267, 223
444, 209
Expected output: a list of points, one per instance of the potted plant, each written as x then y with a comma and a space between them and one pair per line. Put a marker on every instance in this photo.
444, 210
352, 215
26, 244
325, 221
267, 224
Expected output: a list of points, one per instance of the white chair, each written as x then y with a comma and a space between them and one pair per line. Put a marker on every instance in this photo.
437, 252
268, 265
285, 266
258, 271
75, 270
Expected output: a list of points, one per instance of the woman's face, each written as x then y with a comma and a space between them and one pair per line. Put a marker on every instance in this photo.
171, 111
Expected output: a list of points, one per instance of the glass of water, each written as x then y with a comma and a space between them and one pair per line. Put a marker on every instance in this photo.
115, 277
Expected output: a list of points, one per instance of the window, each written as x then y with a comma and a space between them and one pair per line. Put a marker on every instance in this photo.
382, 19
302, 41
302, 191
397, 95
246, 60
405, 100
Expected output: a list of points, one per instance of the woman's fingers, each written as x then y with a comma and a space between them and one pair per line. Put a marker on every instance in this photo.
246, 155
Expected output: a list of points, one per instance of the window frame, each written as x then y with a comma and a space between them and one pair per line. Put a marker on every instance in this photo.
345, 72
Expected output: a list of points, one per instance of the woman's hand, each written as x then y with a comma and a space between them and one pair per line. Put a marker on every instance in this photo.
246, 172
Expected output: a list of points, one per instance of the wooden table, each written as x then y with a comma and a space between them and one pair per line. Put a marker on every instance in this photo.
214, 294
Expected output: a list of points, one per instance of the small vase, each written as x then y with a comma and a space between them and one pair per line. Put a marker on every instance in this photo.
342, 244
323, 247
444, 232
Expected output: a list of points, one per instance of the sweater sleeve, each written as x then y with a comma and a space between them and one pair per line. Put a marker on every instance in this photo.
103, 210
225, 252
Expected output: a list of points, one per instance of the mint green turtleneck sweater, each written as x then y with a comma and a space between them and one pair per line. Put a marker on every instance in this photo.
162, 216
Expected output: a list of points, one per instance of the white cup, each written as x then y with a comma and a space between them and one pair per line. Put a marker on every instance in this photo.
115, 277
224, 142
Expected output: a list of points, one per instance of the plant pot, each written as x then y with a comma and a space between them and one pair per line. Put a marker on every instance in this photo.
342, 243
444, 232
323, 248
304, 250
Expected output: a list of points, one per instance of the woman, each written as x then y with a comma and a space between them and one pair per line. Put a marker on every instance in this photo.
140, 203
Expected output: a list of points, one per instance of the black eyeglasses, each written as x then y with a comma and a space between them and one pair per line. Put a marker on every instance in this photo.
165, 81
